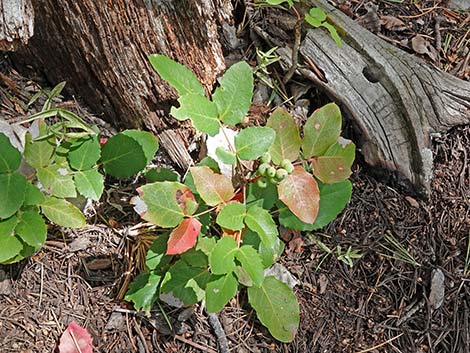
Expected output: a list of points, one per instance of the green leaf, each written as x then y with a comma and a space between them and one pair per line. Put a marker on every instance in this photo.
161, 174
321, 130
195, 258
57, 180
213, 188
287, 142
143, 290
185, 282
277, 308
13, 187
89, 183
146, 140
268, 253
265, 198
222, 257
261, 222
334, 34
232, 216
177, 75
206, 245
225, 156
201, 111
164, 203
252, 142
32, 195
38, 154
10, 245
25, 252
315, 17
84, 153
62, 213
32, 229
299, 191
156, 256
219, 291
122, 156
10, 157
335, 165
233, 96
251, 263
333, 199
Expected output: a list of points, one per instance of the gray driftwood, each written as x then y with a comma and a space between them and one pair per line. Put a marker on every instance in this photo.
396, 100
16, 23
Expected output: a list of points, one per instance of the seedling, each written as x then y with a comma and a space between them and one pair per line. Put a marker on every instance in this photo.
221, 233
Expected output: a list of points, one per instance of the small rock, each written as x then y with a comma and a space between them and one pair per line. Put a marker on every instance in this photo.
5, 284
78, 244
116, 322
459, 4
436, 297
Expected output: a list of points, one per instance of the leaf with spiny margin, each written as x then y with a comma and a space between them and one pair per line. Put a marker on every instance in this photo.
185, 282
122, 156
156, 256
276, 307
252, 142
222, 258
226, 157
89, 183
38, 154
10, 157
261, 222
232, 216
299, 191
10, 245
178, 76
32, 195
333, 199
251, 262
219, 291
143, 290
321, 130
335, 165
13, 187
161, 203
84, 153
146, 140
32, 229
233, 96
213, 188
57, 180
62, 213
183, 237
287, 142
201, 111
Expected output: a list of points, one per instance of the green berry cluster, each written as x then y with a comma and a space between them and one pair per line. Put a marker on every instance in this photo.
271, 173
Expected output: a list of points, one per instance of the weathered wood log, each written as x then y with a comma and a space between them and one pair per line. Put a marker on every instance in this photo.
16, 23
396, 100
100, 48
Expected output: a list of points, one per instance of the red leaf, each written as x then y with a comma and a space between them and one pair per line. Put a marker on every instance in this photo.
214, 188
299, 191
75, 339
183, 237
186, 201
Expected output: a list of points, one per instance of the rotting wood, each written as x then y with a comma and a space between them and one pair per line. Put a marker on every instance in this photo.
16, 23
395, 99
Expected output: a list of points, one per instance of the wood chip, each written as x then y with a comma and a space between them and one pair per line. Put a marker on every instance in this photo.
437, 294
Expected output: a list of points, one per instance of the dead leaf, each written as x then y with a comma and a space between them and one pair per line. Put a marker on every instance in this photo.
421, 46
75, 339
412, 201
392, 23
437, 294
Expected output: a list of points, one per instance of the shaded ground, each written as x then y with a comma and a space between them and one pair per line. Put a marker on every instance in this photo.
384, 303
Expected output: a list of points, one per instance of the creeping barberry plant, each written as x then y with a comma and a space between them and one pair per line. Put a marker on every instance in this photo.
222, 229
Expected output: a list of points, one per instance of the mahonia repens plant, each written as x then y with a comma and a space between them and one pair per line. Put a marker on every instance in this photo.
221, 234
55, 166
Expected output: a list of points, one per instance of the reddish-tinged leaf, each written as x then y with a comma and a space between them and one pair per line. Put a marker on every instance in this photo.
214, 188
287, 142
75, 339
299, 191
331, 170
183, 237
186, 200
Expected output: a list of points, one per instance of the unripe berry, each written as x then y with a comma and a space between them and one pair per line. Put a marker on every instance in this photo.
287, 165
262, 183
266, 158
263, 168
281, 174
271, 172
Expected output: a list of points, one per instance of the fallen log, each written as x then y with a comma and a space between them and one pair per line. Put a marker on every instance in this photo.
396, 100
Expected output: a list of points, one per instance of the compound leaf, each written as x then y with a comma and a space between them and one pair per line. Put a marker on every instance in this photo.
277, 308
32, 229
222, 257
219, 291
251, 263
10, 157
146, 140
156, 256
62, 213
335, 165
212, 187
232, 216
38, 154
32, 195
84, 153
183, 237
10, 245
287, 142
89, 183
252, 142
299, 191
13, 187
57, 180
233, 96
226, 157
143, 290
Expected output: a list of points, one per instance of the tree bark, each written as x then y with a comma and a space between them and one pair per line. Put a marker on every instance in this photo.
397, 100
16, 23
101, 47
